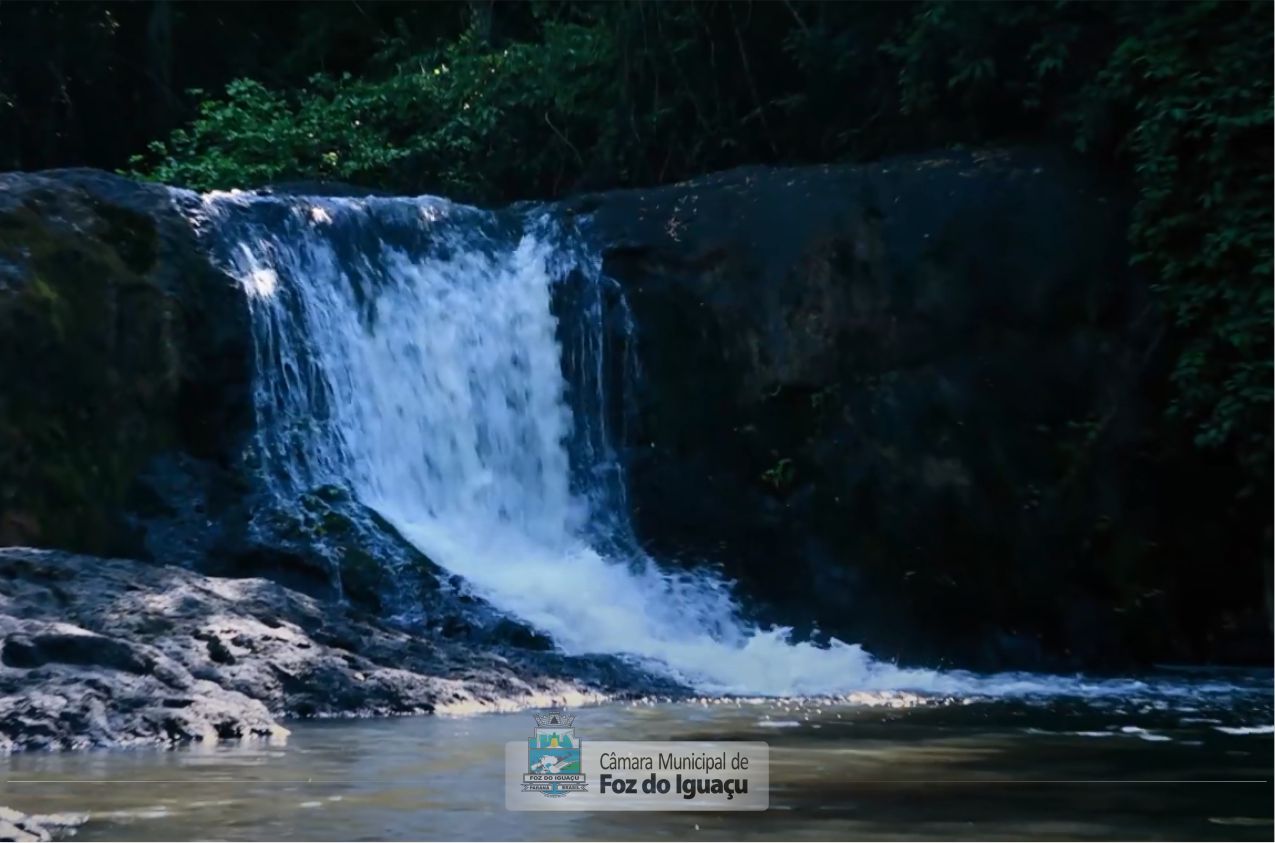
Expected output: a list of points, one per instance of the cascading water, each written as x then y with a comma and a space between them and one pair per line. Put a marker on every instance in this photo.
408, 350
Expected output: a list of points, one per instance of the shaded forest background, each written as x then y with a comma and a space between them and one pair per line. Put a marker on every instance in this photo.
489, 102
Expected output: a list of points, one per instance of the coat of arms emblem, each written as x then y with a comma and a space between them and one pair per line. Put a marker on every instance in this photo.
553, 756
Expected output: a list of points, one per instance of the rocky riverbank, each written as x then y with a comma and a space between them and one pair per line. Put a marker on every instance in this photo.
109, 652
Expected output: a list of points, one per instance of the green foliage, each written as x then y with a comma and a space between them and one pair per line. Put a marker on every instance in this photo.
457, 119
1180, 94
983, 70
1197, 81
780, 476
90, 83
578, 95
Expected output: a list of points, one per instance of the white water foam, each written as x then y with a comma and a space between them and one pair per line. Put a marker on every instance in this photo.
408, 350
1246, 730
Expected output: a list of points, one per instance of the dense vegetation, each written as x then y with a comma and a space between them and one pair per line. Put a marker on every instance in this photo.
493, 101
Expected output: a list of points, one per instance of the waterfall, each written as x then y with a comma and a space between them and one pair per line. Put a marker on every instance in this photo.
409, 351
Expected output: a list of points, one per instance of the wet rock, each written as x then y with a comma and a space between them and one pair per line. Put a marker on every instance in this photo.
65, 687
119, 342
110, 652
36, 828
918, 403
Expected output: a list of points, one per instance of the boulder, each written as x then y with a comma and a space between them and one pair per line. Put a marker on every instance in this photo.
37, 828
918, 404
118, 342
99, 652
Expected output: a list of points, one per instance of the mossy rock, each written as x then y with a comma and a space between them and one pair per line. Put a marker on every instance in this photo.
363, 579
89, 350
326, 543
119, 342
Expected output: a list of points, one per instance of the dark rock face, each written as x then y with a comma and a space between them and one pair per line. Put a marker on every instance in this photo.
108, 652
118, 341
910, 402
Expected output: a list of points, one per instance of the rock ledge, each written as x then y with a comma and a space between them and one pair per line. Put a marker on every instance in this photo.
110, 652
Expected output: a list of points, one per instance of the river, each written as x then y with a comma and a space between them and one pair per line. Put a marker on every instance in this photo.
1183, 758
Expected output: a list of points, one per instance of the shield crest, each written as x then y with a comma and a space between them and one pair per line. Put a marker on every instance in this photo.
553, 756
